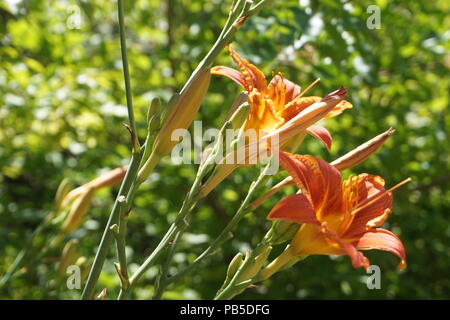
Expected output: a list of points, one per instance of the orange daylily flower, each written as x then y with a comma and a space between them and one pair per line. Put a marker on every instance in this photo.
278, 113
273, 105
338, 217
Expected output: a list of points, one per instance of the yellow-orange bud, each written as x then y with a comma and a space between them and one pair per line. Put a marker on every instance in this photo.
110, 178
183, 111
78, 211
358, 155
69, 256
61, 192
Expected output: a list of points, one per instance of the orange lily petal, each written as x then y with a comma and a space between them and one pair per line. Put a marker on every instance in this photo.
262, 114
358, 259
317, 179
254, 78
292, 90
296, 106
370, 205
339, 108
295, 208
277, 91
282, 91
310, 239
322, 134
231, 73
382, 239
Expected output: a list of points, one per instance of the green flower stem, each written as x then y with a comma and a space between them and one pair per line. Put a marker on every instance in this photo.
126, 71
236, 8
239, 13
160, 284
121, 245
225, 234
177, 226
107, 237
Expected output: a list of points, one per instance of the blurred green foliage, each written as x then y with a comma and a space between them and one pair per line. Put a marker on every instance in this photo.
62, 108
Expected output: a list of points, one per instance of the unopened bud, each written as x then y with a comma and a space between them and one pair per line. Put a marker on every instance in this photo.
108, 179
69, 256
256, 265
309, 116
362, 152
183, 112
235, 264
240, 115
154, 124
61, 192
281, 231
154, 109
238, 101
78, 211
233, 267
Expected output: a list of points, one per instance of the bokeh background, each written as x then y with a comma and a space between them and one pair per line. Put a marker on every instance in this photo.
62, 105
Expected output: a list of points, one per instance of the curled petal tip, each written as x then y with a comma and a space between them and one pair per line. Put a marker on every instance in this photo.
341, 92
390, 131
402, 265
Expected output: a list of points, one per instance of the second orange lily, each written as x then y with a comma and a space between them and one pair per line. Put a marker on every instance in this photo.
338, 218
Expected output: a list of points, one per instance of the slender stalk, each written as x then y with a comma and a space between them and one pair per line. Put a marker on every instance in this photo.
121, 250
107, 237
240, 12
126, 71
177, 226
130, 176
161, 283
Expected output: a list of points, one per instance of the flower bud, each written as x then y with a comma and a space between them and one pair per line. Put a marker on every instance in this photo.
78, 211
238, 101
309, 116
61, 192
69, 256
110, 178
154, 109
256, 265
183, 111
282, 231
233, 267
361, 153
240, 115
